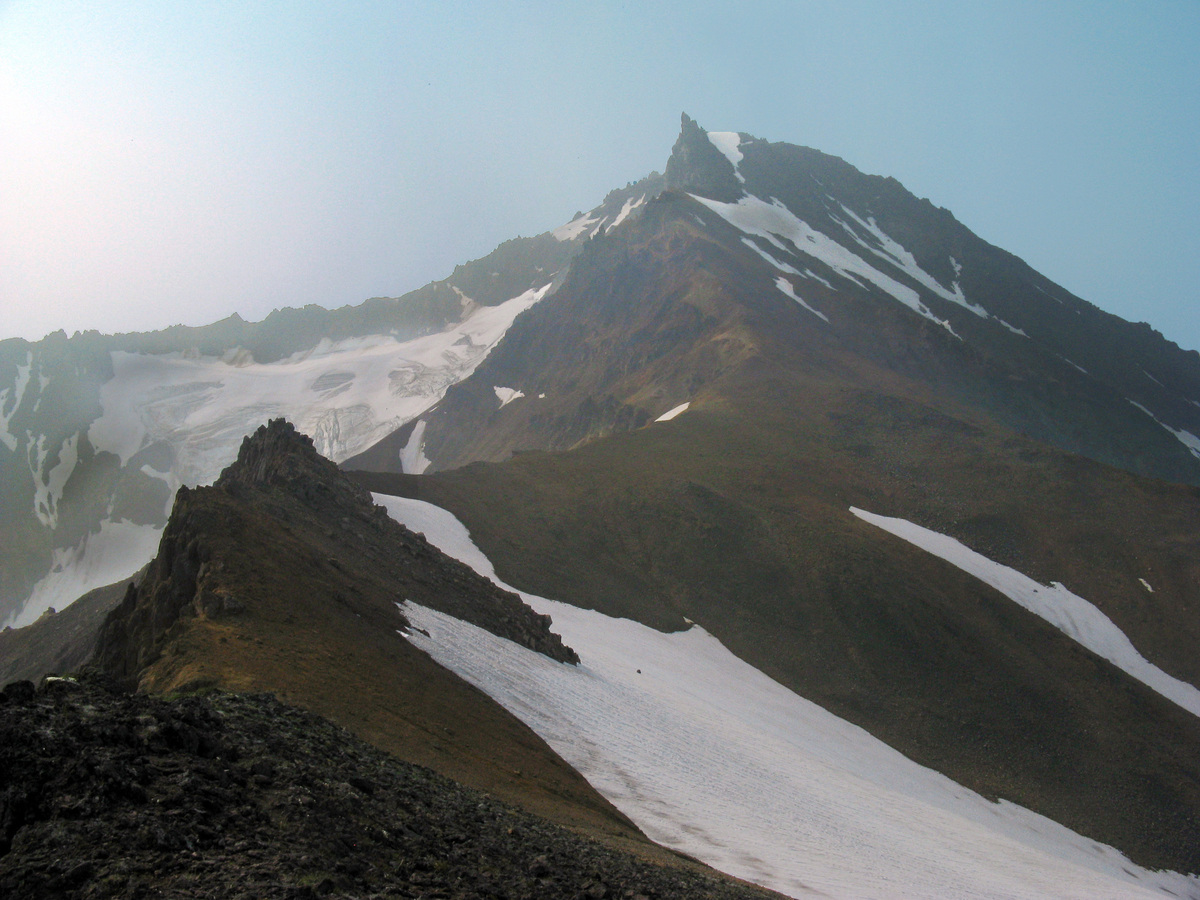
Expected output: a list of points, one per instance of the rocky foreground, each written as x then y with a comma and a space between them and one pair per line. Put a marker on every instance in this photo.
105, 793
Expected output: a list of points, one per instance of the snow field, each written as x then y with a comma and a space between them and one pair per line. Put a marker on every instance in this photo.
1068, 612
775, 223
117, 551
346, 395
709, 756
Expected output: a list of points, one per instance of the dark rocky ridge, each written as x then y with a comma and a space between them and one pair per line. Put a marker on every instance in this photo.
279, 468
109, 794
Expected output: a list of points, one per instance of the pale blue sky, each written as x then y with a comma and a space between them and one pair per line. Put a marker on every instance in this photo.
163, 163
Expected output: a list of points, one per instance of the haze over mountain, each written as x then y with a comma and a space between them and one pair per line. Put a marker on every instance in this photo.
168, 165
805, 432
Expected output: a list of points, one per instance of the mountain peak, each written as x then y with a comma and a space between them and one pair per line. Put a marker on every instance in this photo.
277, 455
697, 165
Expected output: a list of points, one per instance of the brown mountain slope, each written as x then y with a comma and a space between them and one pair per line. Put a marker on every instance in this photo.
284, 578
58, 641
736, 515
677, 521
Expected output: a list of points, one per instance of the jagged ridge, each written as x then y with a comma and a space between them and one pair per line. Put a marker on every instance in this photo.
279, 473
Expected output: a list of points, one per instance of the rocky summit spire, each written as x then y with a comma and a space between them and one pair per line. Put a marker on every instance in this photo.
279, 456
697, 166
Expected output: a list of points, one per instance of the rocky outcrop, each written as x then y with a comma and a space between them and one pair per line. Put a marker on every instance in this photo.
697, 165
294, 495
108, 794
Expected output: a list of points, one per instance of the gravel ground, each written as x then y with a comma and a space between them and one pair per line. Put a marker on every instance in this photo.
110, 794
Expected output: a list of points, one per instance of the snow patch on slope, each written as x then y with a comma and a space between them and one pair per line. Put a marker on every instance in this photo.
1069, 613
10, 399
629, 206
1186, 438
48, 486
711, 757
778, 264
412, 457
786, 286
893, 252
574, 228
116, 552
776, 223
507, 395
728, 142
673, 412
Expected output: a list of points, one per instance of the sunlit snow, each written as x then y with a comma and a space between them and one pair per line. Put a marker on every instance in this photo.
710, 757
673, 412
786, 286
507, 395
1068, 612
776, 223
728, 142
